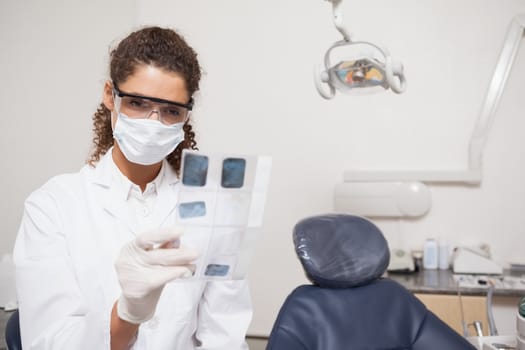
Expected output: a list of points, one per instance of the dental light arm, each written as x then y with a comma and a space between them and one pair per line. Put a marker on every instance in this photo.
499, 79
395, 76
338, 18
371, 68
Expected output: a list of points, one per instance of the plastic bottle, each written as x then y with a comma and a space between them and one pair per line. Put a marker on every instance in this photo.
430, 254
443, 255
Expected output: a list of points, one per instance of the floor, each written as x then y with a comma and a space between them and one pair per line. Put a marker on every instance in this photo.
3, 320
256, 343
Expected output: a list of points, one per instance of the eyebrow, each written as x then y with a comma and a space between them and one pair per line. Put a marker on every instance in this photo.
121, 93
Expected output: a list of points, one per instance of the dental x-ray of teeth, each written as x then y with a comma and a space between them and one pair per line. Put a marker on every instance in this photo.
221, 206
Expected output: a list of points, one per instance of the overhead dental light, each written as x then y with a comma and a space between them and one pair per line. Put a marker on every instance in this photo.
360, 65
377, 193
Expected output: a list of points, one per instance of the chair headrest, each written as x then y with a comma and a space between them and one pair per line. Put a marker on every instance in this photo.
340, 251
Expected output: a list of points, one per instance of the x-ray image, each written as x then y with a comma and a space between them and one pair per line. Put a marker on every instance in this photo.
192, 209
216, 270
221, 204
233, 172
195, 170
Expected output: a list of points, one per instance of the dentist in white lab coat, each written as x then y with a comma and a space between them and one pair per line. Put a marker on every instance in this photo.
98, 259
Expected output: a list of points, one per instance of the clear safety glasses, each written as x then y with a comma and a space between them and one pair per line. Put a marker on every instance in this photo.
142, 107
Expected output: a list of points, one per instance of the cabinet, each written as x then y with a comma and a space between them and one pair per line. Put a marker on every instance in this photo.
448, 308
438, 290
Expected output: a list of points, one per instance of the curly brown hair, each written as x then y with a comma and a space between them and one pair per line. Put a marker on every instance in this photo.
162, 48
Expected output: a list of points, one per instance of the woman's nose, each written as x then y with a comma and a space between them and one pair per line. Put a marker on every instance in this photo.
154, 112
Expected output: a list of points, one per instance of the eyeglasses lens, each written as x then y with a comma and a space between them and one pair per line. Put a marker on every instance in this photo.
141, 108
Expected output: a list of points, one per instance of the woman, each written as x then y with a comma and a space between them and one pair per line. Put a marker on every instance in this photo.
96, 249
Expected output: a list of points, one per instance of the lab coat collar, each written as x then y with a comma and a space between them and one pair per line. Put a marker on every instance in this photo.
106, 175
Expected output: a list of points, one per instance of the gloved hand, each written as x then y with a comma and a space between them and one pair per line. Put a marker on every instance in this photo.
144, 266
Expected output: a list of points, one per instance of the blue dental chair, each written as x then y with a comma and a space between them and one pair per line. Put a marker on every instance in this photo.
349, 305
12, 332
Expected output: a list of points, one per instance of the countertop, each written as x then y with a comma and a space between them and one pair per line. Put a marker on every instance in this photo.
444, 282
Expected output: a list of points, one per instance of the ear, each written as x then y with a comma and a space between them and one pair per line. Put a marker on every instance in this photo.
107, 97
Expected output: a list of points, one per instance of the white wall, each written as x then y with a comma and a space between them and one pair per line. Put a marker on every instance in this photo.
54, 57
258, 97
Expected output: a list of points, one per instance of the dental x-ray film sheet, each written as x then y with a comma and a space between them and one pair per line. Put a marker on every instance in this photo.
221, 206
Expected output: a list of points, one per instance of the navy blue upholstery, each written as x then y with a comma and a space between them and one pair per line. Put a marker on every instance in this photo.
12, 332
360, 310
340, 251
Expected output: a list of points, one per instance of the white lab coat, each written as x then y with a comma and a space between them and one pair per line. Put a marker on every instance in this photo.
71, 233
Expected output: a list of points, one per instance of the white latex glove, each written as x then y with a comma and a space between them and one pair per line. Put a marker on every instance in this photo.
144, 266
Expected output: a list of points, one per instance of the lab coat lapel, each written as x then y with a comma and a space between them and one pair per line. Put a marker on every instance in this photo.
116, 205
114, 194
167, 195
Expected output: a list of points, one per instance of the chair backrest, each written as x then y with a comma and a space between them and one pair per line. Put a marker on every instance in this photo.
349, 305
12, 332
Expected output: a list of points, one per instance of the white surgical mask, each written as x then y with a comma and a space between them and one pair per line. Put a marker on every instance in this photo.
146, 141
